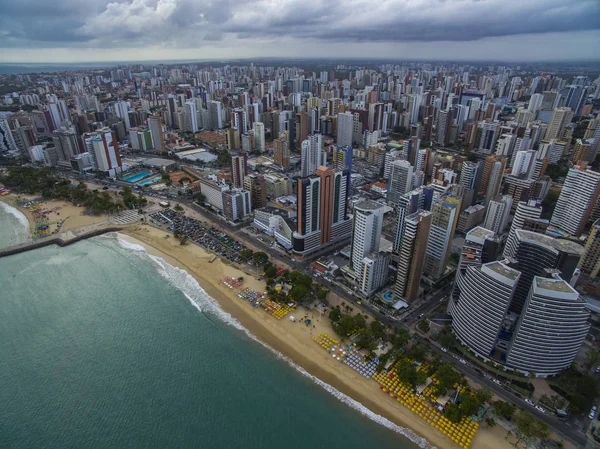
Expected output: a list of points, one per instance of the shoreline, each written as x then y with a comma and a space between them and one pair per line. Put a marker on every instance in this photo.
294, 341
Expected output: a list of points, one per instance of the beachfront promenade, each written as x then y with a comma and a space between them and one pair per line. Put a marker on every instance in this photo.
64, 238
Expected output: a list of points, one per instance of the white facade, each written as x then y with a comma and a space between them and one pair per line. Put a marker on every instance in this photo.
345, 126
366, 232
400, 180
531, 209
122, 111
498, 212
259, 136
576, 199
312, 154
550, 330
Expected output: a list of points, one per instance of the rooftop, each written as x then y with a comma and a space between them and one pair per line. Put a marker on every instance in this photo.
503, 270
563, 245
368, 205
556, 285
480, 233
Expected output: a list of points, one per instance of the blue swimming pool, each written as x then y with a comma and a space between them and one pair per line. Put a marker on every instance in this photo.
137, 177
147, 182
387, 296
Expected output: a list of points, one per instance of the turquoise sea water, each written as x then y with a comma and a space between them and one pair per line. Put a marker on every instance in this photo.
102, 347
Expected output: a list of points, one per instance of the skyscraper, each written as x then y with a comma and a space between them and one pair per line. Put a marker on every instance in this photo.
444, 216
494, 180
282, 151
156, 131
408, 204
561, 117
551, 329
104, 152
498, 212
444, 127
191, 117
257, 186
215, 114
536, 254
484, 298
322, 210
412, 255
312, 154
122, 111
239, 169
400, 181
531, 209
345, 125
577, 198
367, 262
590, 263
259, 136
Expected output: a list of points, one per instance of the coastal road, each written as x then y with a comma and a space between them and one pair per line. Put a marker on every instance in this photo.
561, 428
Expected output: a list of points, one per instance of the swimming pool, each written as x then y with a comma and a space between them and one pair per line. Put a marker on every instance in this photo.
387, 296
137, 177
147, 182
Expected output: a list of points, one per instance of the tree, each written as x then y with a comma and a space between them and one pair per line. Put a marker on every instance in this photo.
484, 394
418, 352
447, 378
335, 314
592, 359
298, 292
322, 293
423, 326
178, 208
453, 413
529, 428
400, 338
490, 421
200, 197
504, 409
271, 272
365, 341
245, 254
378, 330
260, 257
469, 405
447, 339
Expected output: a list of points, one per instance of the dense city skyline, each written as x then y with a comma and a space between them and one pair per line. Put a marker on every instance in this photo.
99, 30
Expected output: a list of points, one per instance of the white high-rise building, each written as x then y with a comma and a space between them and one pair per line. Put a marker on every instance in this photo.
577, 198
497, 214
551, 329
259, 136
531, 209
561, 117
523, 163
400, 181
215, 114
7, 141
122, 111
192, 117
345, 126
366, 231
369, 265
312, 154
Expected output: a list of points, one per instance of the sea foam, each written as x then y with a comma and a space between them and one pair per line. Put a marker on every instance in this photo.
206, 304
15, 212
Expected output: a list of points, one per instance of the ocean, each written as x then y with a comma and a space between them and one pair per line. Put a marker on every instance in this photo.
104, 346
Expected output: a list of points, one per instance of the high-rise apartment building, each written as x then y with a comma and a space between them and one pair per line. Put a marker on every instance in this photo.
412, 255
156, 131
257, 186
409, 203
444, 216
104, 152
312, 154
345, 126
590, 262
370, 266
400, 181
531, 209
258, 129
551, 329
497, 214
561, 117
122, 111
577, 198
239, 169
322, 210
282, 151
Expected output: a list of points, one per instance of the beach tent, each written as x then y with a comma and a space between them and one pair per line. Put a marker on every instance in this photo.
292, 318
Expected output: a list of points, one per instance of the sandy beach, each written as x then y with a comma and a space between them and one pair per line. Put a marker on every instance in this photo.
293, 339
64, 216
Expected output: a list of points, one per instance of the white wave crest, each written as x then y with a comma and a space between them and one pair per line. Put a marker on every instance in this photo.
17, 213
206, 304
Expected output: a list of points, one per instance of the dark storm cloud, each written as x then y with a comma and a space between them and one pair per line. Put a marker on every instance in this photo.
183, 23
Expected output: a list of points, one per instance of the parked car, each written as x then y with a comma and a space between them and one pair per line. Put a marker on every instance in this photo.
444, 349
530, 402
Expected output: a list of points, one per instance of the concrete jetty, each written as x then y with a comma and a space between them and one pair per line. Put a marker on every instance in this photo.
62, 239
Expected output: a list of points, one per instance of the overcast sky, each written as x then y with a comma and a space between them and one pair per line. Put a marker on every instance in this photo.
99, 30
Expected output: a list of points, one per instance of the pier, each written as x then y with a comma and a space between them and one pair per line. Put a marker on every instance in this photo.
62, 239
